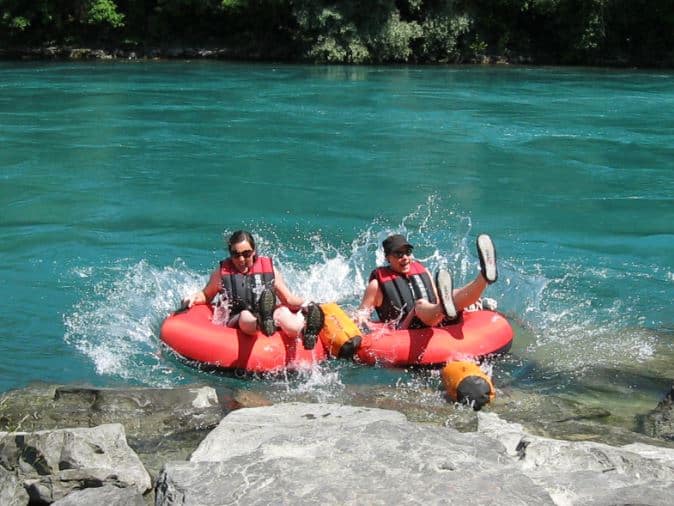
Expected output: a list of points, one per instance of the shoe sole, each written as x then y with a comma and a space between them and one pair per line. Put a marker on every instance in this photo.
443, 282
487, 254
314, 324
266, 317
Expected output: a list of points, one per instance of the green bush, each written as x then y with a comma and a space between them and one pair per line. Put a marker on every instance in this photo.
104, 12
441, 36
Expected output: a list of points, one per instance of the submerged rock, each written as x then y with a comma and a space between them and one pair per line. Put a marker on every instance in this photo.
565, 418
141, 410
659, 423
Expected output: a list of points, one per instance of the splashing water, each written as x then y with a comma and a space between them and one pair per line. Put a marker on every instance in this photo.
117, 326
568, 328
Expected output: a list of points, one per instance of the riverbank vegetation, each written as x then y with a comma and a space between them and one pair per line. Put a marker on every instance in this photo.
577, 32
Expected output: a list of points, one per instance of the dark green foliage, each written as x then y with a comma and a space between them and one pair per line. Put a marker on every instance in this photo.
348, 32
58, 21
617, 32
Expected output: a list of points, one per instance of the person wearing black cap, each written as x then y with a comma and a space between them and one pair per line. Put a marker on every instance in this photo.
403, 291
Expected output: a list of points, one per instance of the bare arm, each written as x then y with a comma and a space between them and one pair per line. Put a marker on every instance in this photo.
206, 295
284, 294
372, 298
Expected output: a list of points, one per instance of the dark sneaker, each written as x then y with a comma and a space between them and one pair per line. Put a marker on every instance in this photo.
487, 254
314, 319
443, 281
265, 317
238, 305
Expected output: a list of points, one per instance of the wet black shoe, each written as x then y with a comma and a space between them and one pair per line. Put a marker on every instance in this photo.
265, 316
487, 254
314, 319
443, 281
238, 305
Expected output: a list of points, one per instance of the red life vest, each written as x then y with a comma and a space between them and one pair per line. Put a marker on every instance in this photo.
243, 290
401, 291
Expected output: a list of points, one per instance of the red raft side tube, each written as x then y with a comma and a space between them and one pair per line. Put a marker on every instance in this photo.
192, 335
475, 335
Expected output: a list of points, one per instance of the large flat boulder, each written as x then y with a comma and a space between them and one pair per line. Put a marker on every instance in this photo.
334, 454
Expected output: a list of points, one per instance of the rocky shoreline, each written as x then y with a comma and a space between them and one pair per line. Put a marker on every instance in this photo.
68, 445
69, 53
136, 53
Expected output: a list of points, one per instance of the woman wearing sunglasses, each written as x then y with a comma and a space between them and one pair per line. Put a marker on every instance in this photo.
250, 285
403, 291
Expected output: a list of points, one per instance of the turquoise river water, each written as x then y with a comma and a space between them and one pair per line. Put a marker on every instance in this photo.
118, 181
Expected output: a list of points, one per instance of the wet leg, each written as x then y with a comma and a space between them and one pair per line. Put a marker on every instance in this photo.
247, 322
470, 293
429, 314
290, 323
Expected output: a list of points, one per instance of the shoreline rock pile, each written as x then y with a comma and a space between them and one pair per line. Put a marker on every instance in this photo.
192, 446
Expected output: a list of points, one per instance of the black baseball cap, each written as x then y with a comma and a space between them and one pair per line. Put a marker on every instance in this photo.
395, 242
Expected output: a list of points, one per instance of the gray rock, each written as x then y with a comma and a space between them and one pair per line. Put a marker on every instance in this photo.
330, 453
145, 410
107, 495
660, 422
142, 411
51, 464
587, 472
160, 424
334, 454
12, 492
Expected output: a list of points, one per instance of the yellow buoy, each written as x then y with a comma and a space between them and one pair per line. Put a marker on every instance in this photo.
340, 335
465, 382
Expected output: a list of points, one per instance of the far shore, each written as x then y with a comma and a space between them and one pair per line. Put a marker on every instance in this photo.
187, 52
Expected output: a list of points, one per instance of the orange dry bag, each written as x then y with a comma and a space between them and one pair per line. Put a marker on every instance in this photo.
466, 382
339, 334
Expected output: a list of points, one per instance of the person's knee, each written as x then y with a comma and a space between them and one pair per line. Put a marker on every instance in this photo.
281, 314
430, 314
247, 322
421, 304
424, 309
291, 323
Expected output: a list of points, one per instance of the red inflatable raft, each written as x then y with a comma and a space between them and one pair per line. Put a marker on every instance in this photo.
192, 335
477, 334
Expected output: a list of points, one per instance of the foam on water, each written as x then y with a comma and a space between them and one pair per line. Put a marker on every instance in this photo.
319, 382
116, 324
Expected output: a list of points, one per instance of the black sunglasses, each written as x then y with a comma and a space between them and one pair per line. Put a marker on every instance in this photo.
245, 254
401, 253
